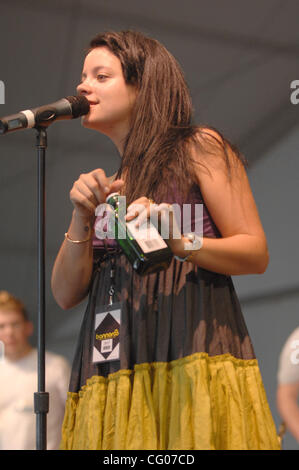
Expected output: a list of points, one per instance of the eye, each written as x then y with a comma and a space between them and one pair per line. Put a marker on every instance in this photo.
101, 77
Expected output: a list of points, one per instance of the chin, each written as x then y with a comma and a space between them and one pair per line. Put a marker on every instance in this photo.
84, 121
89, 124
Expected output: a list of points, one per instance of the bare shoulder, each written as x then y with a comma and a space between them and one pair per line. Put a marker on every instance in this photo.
224, 185
212, 153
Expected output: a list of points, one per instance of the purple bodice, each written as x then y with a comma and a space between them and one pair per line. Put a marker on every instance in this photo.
194, 198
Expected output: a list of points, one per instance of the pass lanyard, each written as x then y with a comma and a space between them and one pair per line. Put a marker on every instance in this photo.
111, 290
112, 281
107, 325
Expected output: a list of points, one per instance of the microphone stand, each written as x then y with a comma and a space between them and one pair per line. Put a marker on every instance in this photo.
41, 397
70, 107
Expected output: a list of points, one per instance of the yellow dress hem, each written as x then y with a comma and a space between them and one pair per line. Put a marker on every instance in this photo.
195, 402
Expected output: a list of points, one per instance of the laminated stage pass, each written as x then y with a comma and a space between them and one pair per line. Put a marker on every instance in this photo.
107, 334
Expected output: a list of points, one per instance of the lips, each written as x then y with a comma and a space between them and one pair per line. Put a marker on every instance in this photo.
91, 104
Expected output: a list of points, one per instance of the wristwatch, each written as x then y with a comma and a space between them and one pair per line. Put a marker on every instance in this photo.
195, 244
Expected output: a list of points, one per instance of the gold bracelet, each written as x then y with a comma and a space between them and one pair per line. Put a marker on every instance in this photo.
67, 237
188, 258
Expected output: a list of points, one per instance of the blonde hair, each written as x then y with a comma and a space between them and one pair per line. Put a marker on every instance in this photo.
9, 302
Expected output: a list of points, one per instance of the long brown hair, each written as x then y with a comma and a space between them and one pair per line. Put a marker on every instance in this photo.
156, 150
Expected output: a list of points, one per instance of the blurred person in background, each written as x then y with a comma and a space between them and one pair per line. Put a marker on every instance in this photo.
288, 384
18, 379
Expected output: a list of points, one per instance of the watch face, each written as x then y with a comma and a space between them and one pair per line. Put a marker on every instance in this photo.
196, 241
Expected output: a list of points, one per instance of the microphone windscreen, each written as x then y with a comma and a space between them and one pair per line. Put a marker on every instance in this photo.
80, 105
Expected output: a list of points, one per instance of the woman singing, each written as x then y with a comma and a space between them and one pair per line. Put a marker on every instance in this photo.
186, 376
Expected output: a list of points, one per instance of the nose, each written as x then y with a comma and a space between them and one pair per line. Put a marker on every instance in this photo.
83, 88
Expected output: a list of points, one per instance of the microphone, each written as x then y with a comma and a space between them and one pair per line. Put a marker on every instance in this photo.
70, 107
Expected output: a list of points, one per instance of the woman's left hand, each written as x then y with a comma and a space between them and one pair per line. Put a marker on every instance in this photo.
162, 216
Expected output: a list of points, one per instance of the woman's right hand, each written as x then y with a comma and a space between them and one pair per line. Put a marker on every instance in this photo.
90, 190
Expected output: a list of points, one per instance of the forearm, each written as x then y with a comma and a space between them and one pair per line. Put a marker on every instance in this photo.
235, 255
73, 266
289, 411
